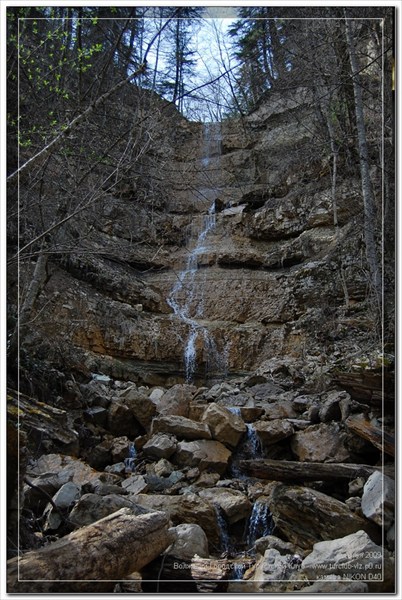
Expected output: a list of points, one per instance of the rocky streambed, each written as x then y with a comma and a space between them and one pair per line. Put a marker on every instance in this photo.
256, 484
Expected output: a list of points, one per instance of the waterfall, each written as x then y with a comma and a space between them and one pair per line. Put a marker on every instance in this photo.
253, 445
223, 530
129, 462
249, 447
260, 523
186, 289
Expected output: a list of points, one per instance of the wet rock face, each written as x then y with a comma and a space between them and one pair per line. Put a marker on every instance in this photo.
270, 265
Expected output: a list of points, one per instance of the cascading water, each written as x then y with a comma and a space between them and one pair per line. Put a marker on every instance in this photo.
250, 447
260, 523
129, 462
185, 292
223, 530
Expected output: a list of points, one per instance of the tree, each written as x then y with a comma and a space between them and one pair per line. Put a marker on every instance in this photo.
370, 218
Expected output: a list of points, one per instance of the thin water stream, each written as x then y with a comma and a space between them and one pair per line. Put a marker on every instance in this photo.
186, 297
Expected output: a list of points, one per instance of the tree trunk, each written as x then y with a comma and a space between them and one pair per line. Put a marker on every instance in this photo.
93, 558
377, 436
283, 470
367, 187
34, 290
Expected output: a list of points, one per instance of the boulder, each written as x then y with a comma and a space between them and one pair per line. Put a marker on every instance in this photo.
64, 499
190, 540
320, 443
141, 406
135, 485
119, 448
271, 432
161, 445
265, 391
49, 483
156, 394
176, 401
353, 557
186, 508
280, 410
99, 456
225, 426
273, 572
97, 415
121, 419
378, 500
66, 468
306, 516
163, 468
330, 408
204, 454
235, 504
181, 427
92, 507
116, 469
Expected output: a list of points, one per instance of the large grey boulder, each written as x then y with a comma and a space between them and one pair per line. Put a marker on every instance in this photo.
306, 516
378, 500
325, 442
353, 557
190, 539
186, 508
161, 445
63, 500
181, 427
139, 405
235, 504
271, 432
92, 507
176, 401
226, 427
204, 454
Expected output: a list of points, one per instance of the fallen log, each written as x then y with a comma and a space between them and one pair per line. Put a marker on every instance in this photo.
377, 436
290, 471
93, 558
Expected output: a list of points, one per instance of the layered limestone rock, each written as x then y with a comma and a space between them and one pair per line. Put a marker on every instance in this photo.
272, 276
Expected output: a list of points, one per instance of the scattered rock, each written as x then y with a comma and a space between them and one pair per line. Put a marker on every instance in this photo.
156, 394
92, 507
97, 415
356, 486
181, 427
280, 410
142, 408
330, 409
206, 480
186, 508
68, 467
320, 443
135, 484
306, 516
378, 500
234, 504
119, 449
161, 445
121, 419
64, 499
176, 401
190, 540
271, 432
163, 468
354, 557
204, 454
116, 469
225, 426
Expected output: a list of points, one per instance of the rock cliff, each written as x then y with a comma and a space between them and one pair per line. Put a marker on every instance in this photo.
272, 276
